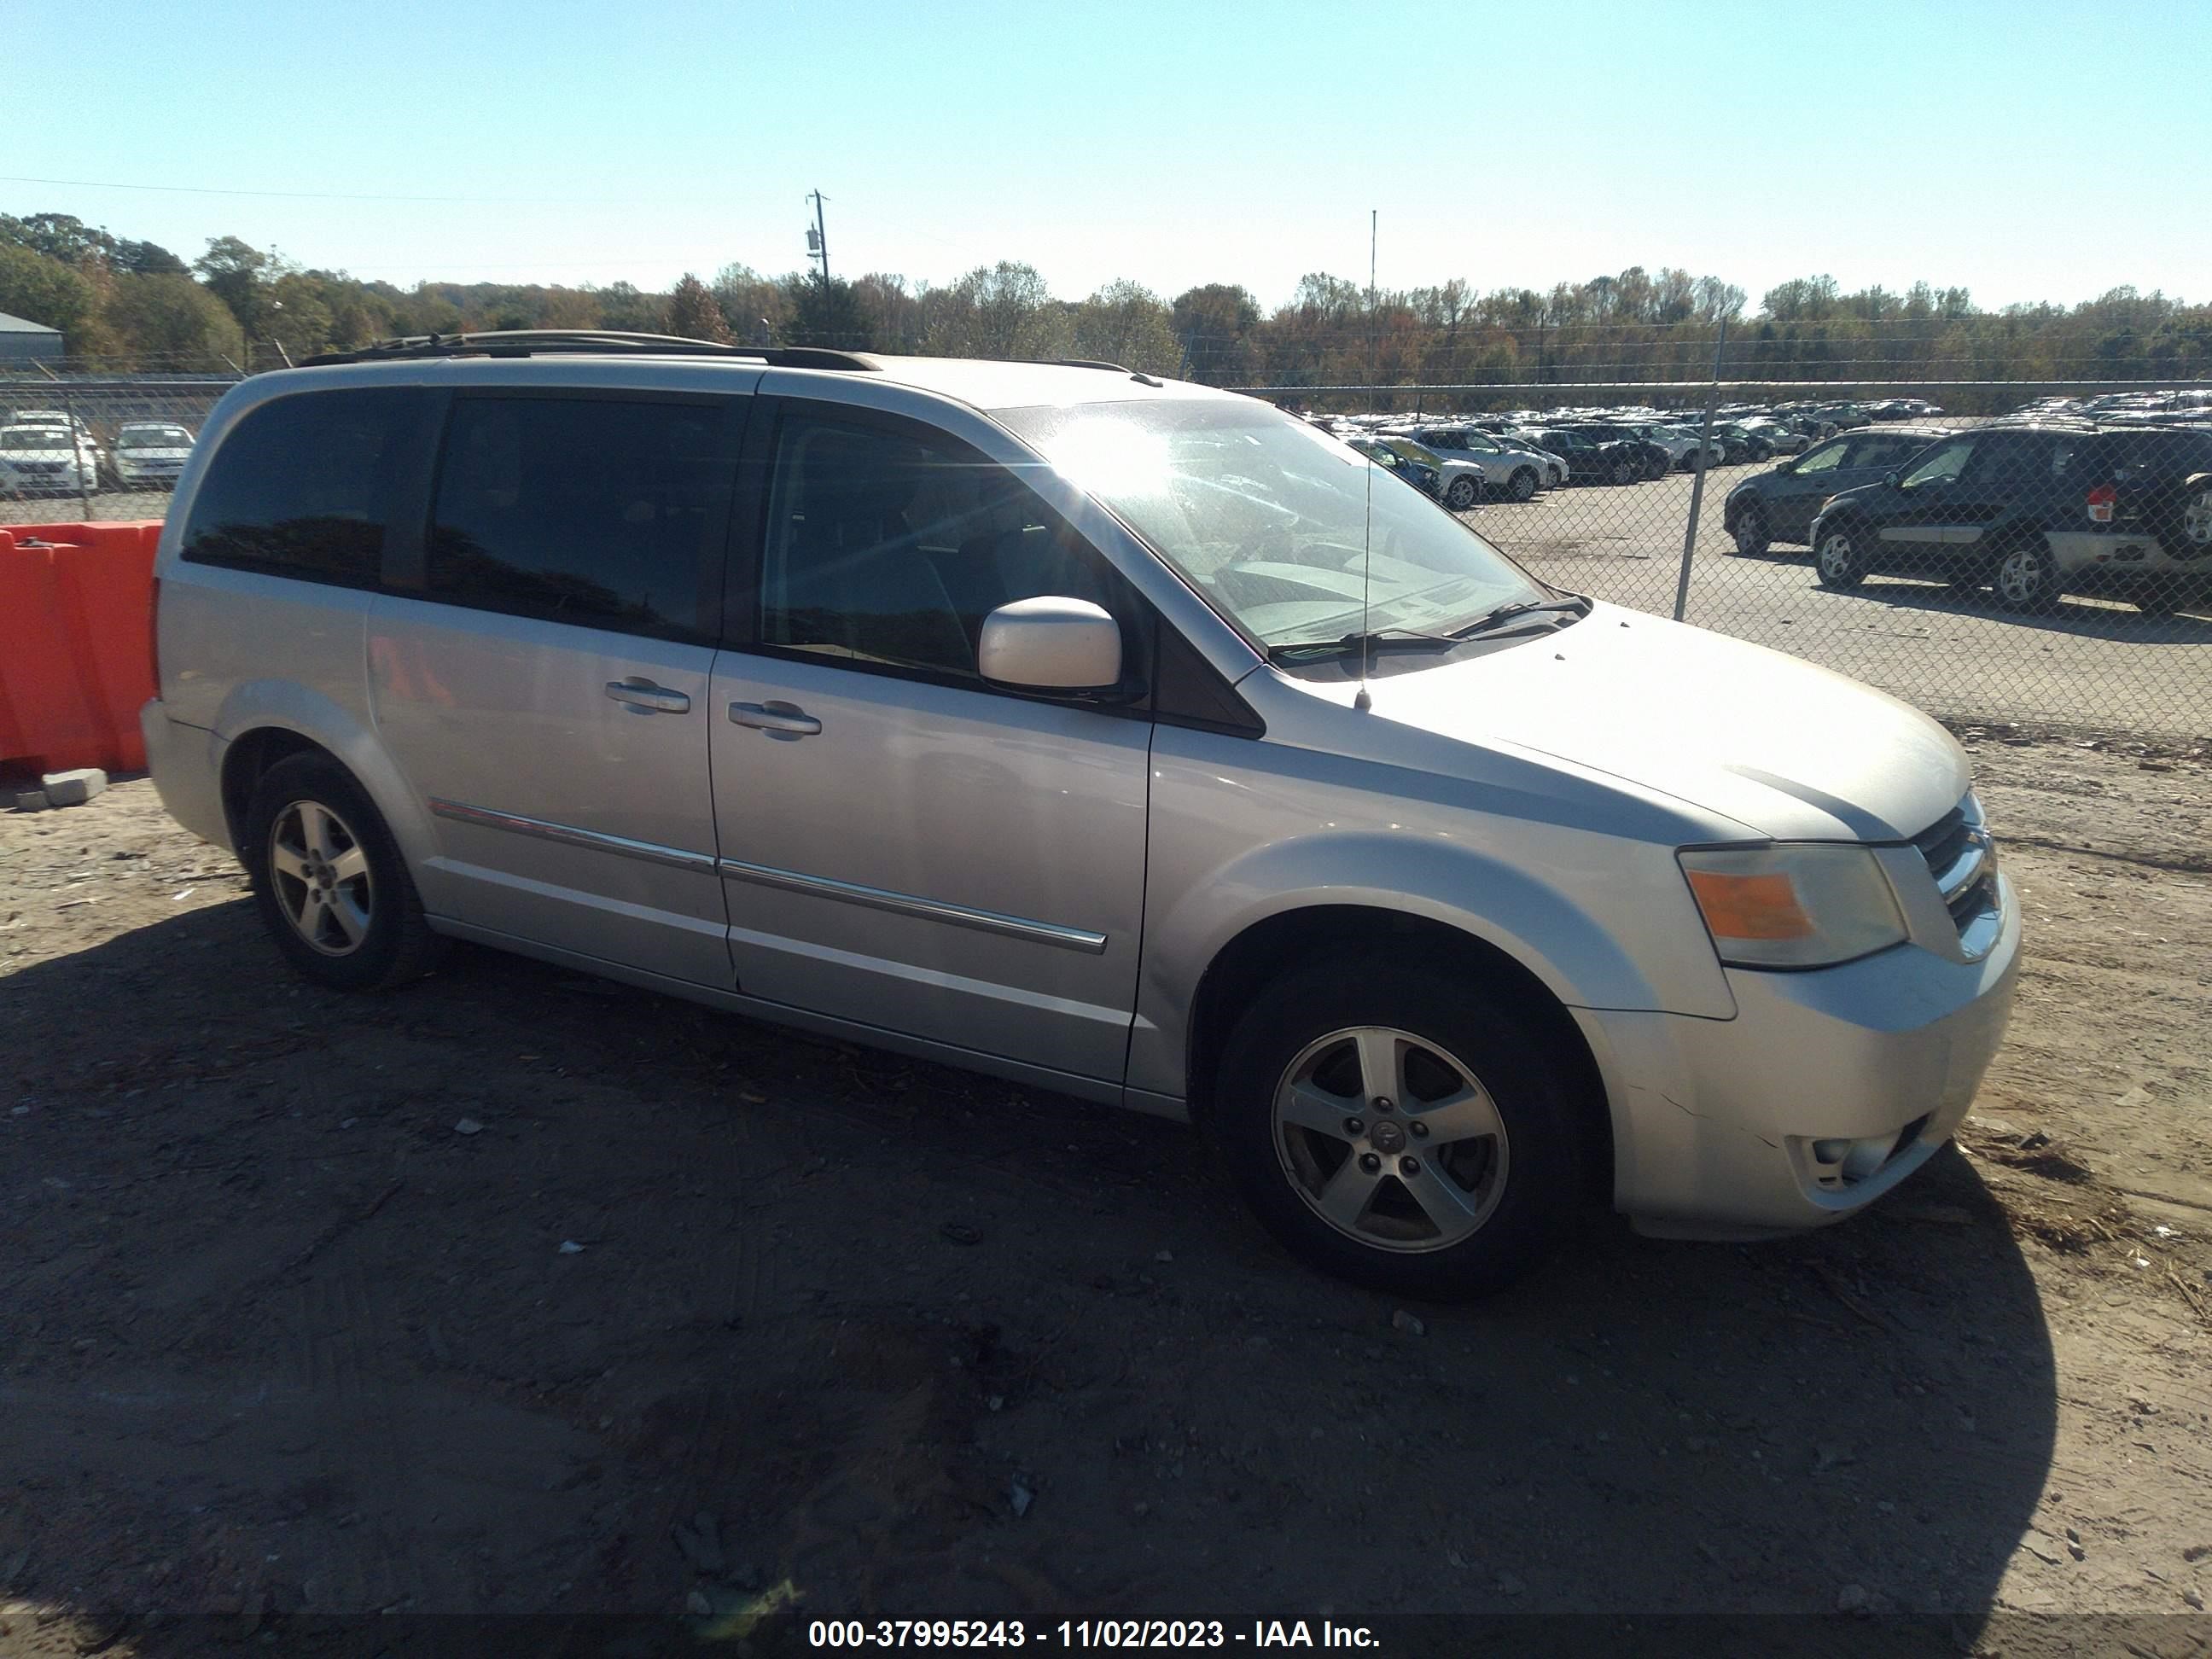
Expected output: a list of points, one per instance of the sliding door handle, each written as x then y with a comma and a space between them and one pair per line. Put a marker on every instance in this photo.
642, 693
782, 720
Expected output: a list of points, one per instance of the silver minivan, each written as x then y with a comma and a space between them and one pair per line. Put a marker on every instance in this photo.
1127, 739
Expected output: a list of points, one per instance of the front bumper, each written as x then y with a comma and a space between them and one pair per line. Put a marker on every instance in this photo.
1737, 1128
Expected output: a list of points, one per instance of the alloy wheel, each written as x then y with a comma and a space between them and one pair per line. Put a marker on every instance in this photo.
320, 871
1391, 1140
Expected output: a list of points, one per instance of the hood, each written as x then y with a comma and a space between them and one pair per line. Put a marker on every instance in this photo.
1783, 747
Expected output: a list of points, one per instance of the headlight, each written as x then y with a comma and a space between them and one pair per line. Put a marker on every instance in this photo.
1802, 906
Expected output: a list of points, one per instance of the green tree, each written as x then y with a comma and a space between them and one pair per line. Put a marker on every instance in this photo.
146, 259
749, 301
170, 322
45, 290
825, 314
1127, 324
62, 236
238, 274
692, 312
1214, 324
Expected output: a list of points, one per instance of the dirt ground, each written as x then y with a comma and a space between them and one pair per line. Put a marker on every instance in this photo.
477, 1297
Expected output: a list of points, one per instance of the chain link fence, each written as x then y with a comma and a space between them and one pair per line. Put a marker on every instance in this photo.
97, 445
2045, 559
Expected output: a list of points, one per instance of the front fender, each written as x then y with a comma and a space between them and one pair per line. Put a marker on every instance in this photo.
286, 705
1571, 940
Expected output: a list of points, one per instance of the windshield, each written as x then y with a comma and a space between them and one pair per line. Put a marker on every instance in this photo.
1272, 521
34, 437
153, 437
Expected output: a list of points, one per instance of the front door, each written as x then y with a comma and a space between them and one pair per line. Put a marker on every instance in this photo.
1919, 520
546, 691
902, 844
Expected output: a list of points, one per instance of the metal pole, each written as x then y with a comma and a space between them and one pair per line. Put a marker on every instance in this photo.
77, 443
822, 237
1697, 487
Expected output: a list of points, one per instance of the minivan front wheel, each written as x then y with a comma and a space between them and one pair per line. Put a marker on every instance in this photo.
1397, 1129
1461, 497
1523, 484
1838, 561
328, 880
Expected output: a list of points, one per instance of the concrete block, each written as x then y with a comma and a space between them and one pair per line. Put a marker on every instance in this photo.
73, 788
30, 800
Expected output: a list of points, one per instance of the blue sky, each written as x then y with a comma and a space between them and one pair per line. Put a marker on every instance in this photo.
2025, 151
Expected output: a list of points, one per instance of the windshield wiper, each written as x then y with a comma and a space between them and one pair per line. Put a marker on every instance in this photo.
1514, 612
1367, 644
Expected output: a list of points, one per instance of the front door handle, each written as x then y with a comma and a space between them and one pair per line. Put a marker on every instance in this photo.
642, 693
782, 719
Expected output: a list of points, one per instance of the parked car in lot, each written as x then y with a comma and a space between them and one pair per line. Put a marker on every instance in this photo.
149, 454
1506, 470
1132, 740
1971, 509
1555, 464
1779, 504
2132, 518
45, 460
1428, 479
1458, 484
1655, 459
1683, 443
1591, 460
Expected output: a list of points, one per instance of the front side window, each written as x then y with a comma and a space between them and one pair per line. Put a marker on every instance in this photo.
1826, 459
1884, 452
602, 512
886, 546
302, 485
1283, 529
1940, 465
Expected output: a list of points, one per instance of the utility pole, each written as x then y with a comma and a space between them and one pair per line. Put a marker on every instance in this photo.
817, 240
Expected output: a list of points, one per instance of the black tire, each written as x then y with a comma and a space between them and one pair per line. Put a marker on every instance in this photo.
1461, 495
1840, 557
1626, 471
1537, 1166
2026, 579
1752, 535
396, 944
1522, 485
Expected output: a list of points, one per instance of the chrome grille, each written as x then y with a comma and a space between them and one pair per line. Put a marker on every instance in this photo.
1962, 862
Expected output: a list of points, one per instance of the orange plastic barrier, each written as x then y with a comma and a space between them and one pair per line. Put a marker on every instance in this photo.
76, 654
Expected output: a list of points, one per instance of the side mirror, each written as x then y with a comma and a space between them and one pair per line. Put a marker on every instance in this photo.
1050, 644
1892, 479
1790, 465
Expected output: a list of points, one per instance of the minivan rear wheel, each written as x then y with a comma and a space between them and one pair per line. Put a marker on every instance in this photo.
1396, 1127
328, 880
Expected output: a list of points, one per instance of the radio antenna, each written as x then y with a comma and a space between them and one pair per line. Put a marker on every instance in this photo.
1363, 703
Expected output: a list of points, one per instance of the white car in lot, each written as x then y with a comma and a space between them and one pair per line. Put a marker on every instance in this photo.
1508, 471
45, 460
149, 454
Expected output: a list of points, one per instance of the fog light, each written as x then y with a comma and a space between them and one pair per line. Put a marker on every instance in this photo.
1840, 1162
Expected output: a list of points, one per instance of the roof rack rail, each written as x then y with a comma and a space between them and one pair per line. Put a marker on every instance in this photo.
1138, 376
554, 341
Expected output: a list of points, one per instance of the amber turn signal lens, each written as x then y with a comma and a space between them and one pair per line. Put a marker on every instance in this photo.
1763, 907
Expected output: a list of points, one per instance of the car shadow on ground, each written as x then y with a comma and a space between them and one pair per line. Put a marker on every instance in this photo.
476, 1296
2086, 616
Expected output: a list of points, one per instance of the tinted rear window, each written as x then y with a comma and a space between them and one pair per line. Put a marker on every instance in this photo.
302, 487
603, 512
